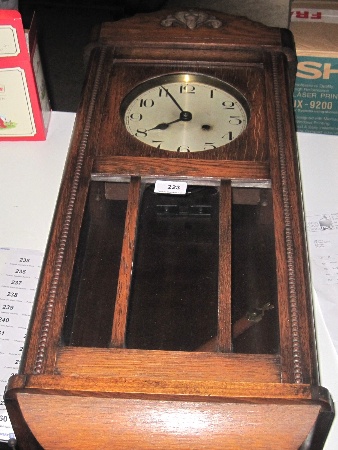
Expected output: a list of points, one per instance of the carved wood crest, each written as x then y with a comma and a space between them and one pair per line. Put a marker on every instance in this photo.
191, 19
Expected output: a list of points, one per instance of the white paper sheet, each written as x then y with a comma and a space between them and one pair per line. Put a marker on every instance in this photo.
322, 232
19, 273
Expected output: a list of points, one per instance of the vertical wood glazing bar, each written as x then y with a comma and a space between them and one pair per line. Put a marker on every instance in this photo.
125, 273
224, 342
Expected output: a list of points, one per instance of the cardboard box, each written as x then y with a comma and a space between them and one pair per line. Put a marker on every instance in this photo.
315, 28
24, 104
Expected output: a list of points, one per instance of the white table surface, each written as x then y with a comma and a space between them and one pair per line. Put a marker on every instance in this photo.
30, 176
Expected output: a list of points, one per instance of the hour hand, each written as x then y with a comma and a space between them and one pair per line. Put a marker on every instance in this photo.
164, 126
185, 116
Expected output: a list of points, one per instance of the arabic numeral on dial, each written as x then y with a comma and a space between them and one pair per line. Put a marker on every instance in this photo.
159, 144
209, 146
136, 117
4, 319
235, 120
227, 104
183, 148
141, 133
228, 136
163, 92
187, 89
3, 418
146, 103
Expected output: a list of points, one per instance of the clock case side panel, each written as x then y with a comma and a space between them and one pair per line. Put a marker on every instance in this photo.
298, 352
47, 317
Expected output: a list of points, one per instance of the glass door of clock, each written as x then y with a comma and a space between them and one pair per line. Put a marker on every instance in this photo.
174, 294
192, 272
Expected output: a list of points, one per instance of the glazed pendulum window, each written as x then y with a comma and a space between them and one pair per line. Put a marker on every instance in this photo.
197, 274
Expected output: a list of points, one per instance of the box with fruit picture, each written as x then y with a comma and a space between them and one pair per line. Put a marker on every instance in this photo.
24, 103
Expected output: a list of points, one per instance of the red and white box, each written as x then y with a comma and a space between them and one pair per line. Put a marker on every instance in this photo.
24, 103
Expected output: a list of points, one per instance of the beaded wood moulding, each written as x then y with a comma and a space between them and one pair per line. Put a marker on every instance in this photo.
174, 306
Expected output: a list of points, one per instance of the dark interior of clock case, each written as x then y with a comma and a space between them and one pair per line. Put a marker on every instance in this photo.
173, 299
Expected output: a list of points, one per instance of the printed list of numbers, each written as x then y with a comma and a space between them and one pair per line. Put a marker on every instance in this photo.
19, 272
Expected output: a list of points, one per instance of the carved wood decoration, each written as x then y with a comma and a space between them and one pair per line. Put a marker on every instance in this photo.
191, 19
181, 320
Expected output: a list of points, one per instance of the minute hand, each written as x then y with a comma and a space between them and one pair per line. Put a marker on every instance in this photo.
172, 98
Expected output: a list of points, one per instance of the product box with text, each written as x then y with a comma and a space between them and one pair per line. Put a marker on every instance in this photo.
315, 28
24, 103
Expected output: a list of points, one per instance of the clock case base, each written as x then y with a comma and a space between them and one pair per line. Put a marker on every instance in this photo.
61, 414
66, 396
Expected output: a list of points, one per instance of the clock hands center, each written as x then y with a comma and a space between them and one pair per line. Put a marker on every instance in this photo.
185, 116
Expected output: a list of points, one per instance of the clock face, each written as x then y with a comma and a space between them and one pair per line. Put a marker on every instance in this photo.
185, 112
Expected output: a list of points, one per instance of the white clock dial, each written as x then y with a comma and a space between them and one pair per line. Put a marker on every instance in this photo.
185, 113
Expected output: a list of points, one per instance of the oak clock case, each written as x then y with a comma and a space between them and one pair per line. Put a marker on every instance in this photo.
177, 320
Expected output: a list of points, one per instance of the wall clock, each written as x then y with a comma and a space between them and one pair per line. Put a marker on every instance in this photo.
174, 307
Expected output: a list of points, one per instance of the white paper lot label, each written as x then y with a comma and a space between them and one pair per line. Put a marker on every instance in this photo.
170, 187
